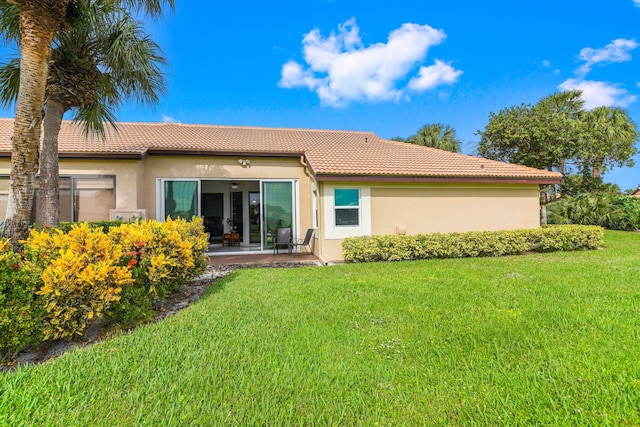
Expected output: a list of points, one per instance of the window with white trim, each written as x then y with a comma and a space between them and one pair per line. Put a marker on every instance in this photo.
347, 207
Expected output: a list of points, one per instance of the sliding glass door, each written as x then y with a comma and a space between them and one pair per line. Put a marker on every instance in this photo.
277, 209
265, 206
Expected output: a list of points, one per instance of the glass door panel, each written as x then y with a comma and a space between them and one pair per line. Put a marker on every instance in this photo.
180, 199
237, 213
254, 217
277, 201
213, 215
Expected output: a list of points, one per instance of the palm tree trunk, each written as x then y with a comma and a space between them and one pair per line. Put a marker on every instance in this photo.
49, 191
39, 20
561, 169
543, 215
544, 199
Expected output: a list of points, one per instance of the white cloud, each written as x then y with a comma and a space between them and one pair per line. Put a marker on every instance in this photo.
596, 93
546, 63
616, 51
168, 119
341, 69
636, 2
434, 75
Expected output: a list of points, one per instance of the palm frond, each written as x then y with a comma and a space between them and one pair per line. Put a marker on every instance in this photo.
9, 22
151, 8
9, 82
93, 118
134, 61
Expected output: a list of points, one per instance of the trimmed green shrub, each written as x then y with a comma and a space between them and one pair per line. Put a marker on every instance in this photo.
471, 244
20, 314
134, 308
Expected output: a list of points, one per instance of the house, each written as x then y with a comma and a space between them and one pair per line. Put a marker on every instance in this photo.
254, 180
636, 193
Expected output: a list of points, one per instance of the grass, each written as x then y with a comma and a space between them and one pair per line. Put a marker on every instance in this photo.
551, 339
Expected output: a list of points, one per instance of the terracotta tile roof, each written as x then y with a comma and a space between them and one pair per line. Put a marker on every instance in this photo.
330, 154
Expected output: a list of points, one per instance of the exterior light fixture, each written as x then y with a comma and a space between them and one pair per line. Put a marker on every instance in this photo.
244, 162
234, 186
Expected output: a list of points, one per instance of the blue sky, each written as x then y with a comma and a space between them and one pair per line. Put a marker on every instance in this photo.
390, 67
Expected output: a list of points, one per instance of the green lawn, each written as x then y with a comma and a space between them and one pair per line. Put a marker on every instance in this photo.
551, 339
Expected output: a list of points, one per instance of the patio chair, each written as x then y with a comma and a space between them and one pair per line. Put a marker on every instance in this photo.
283, 239
304, 244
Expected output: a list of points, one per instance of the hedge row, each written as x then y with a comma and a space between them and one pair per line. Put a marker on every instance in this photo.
68, 277
471, 244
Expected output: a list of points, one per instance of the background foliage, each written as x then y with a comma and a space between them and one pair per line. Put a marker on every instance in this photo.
611, 211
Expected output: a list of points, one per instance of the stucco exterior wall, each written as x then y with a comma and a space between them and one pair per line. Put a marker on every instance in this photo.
429, 208
384, 209
454, 208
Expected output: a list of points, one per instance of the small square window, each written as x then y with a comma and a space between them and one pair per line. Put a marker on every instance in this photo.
347, 207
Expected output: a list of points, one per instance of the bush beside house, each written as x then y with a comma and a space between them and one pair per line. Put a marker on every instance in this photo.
68, 277
20, 313
471, 244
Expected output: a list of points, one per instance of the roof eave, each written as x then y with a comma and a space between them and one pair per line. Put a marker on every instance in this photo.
93, 155
288, 154
437, 179
142, 154
102, 156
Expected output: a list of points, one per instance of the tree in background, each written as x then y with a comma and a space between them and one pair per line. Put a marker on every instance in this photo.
556, 133
38, 23
103, 58
437, 135
608, 140
541, 136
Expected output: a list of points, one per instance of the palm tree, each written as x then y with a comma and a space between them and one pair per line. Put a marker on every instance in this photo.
38, 22
437, 135
609, 138
35, 23
95, 64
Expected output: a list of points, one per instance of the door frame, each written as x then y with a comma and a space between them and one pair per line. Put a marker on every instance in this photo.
295, 216
295, 202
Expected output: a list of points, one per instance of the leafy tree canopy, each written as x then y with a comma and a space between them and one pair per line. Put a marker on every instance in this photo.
557, 133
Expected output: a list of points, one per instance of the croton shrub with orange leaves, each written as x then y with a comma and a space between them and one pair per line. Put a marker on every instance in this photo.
162, 257
85, 273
